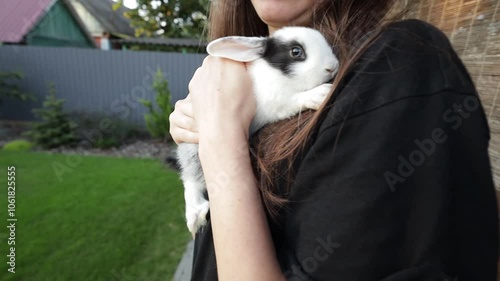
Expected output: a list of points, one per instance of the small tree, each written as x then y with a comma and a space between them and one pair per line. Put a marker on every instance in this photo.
157, 121
10, 88
55, 128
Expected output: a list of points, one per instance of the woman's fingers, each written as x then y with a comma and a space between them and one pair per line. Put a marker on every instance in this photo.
182, 125
185, 106
188, 123
183, 120
180, 135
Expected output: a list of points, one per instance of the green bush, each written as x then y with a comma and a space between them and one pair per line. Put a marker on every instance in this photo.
18, 145
10, 88
55, 128
106, 143
116, 133
157, 120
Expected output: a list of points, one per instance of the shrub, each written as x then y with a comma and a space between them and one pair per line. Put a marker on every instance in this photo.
10, 88
106, 143
55, 128
157, 120
115, 134
18, 145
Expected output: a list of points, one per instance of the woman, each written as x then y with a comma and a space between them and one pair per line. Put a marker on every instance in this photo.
389, 180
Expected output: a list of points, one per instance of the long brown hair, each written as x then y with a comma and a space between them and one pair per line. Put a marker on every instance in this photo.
349, 26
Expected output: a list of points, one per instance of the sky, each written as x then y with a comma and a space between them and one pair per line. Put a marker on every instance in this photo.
130, 3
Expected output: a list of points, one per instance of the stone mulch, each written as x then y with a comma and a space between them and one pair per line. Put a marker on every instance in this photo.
135, 148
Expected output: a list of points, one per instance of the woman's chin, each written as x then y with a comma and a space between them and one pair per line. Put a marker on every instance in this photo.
282, 12
276, 20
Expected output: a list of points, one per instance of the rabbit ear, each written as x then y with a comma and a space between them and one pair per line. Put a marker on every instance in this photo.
238, 48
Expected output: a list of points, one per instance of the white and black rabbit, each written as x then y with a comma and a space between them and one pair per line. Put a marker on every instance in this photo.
290, 72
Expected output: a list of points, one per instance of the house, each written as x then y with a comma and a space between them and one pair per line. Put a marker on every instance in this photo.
42, 23
104, 24
111, 30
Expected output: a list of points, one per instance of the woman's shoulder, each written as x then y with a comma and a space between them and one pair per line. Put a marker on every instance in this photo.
411, 28
415, 50
409, 58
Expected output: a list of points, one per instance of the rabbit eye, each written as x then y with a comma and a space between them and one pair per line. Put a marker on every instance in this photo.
296, 52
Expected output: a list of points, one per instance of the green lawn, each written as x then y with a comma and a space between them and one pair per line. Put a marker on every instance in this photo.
109, 219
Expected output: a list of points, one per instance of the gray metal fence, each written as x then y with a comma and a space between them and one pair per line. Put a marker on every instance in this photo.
94, 81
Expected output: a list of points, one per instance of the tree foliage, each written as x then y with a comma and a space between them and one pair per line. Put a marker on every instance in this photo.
55, 128
157, 120
9, 87
168, 18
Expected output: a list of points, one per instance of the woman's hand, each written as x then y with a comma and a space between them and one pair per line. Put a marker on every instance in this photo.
222, 100
183, 127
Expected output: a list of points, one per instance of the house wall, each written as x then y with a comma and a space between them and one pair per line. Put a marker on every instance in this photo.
473, 27
58, 28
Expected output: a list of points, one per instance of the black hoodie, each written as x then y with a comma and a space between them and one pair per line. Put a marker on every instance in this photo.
397, 184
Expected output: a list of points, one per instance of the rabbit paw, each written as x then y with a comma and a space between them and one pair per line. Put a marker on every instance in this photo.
316, 96
197, 217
